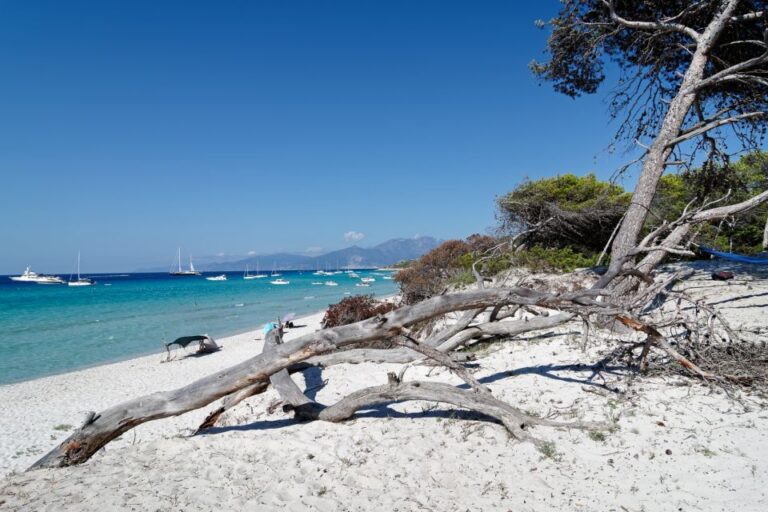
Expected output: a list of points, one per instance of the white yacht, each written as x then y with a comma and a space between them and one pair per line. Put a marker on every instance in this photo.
331, 283
279, 281
33, 277
220, 277
81, 281
368, 279
180, 272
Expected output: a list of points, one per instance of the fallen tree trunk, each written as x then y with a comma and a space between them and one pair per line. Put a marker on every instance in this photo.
111, 423
396, 391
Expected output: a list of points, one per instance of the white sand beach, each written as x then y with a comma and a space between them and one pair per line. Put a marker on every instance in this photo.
678, 445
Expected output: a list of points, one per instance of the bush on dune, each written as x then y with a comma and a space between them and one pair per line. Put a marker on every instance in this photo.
353, 309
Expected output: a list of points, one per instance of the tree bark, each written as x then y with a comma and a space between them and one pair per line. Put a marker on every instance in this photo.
655, 161
765, 235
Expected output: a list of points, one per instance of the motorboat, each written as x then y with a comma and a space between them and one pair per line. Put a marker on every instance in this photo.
331, 283
279, 281
363, 284
33, 277
220, 277
368, 279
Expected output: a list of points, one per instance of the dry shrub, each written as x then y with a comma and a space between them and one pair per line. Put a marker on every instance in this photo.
430, 274
355, 308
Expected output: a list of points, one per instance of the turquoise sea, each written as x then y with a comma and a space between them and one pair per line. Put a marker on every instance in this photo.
49, 329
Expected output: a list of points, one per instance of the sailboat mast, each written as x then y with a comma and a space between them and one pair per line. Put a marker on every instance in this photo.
78, 265
179, 259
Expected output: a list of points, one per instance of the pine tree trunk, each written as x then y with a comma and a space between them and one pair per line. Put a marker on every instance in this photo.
655, 161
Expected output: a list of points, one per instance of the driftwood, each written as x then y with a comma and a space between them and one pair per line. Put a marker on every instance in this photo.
112, 422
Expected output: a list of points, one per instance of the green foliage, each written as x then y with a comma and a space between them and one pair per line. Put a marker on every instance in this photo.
744, 179
549, 450
540, 259
462, 278
564, 211
597, 436
649, 64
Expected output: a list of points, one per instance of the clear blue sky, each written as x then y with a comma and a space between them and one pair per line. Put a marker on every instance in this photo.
128, 129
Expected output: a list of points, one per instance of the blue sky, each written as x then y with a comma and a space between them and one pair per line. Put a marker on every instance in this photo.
128, 129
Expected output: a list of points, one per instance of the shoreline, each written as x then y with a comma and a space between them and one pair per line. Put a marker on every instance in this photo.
159, 348
143, 355
43, 411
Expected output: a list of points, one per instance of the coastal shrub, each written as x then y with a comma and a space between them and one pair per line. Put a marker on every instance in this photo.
565, 211
740, 180
540, 259
444, 265
355, 308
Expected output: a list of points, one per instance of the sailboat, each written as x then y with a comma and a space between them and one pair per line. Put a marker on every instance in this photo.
257, 275
248, 276
81, 281
180, 272
275, 273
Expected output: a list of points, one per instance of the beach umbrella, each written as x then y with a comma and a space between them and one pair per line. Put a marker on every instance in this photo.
289, 317
269, 326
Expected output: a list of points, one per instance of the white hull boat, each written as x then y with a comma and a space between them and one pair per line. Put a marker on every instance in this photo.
280, 282
221, 277
185, 273
81, 281
33, 277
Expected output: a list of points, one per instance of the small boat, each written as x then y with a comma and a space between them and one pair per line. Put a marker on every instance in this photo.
353, 274
368, 279
247, 276
279, 281
182, 273
388, 278
81, 281
317, 283
220, 277
259, 275
363, 284
331, 283
33, 277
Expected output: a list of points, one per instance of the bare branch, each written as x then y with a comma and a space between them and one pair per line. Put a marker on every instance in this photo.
704, 127
651, 25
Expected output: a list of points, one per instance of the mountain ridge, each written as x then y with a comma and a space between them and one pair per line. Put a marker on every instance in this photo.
381, 255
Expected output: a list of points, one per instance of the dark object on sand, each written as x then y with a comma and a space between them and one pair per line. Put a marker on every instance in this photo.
722, 275
206, 344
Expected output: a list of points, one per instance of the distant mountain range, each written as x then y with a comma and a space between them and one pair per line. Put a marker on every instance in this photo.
381, 255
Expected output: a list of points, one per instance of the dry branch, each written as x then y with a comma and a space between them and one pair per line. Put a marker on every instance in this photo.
113, 422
